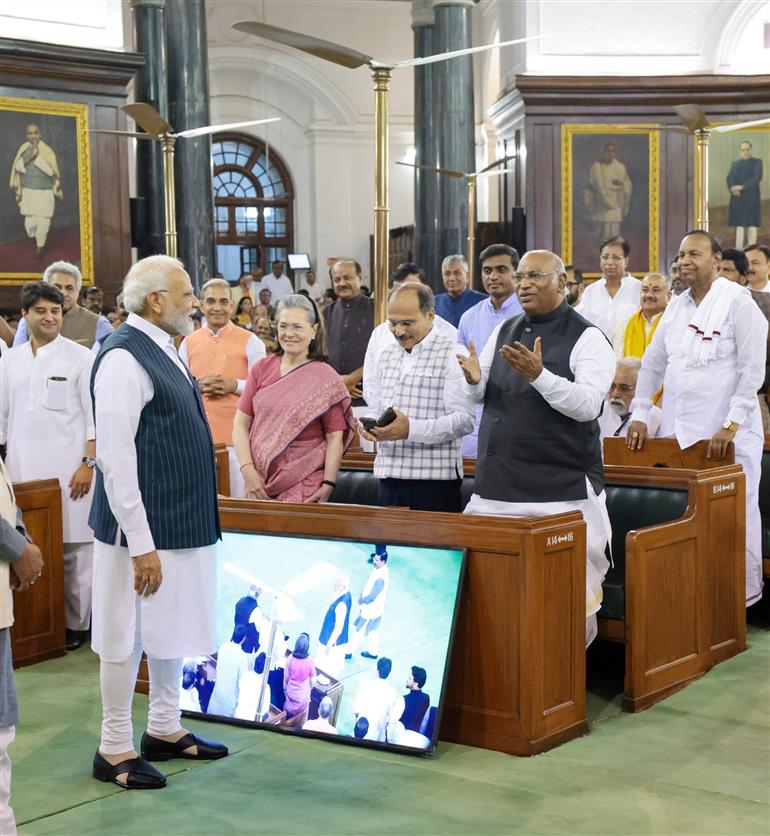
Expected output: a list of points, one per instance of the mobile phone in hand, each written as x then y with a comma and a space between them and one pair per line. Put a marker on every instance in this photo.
387, 417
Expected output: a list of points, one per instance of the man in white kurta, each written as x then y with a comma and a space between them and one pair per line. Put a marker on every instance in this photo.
616, 415
614, 297
149, 594
47, 423
709, 353
542, 377
608, 196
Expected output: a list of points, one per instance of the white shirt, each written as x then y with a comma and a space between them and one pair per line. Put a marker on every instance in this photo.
619, 338
592, 363
317, 289
605, 311
382, 337
699, 399
319, 725
765, 289
122, 389
611, 425
46, 420
232, 663
255, 350
279, 287
457, 421
374, 700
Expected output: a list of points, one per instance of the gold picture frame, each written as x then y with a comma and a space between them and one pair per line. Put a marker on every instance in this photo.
637, 151
60, 217
723, 151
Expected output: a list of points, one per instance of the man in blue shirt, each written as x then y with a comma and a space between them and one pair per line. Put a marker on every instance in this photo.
498, 264
459, 297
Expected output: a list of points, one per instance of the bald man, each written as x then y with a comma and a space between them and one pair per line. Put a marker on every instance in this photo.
634, 334
543, 376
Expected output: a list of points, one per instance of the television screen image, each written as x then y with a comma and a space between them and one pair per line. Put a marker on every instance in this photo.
299, 261
346, 640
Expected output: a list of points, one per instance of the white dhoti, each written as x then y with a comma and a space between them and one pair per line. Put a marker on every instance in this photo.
598, 535
7, 820
177, 621
78, 574
37, 207
237, 486
748, 454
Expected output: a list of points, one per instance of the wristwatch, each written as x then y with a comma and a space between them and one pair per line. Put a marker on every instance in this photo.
89, 462
730, 425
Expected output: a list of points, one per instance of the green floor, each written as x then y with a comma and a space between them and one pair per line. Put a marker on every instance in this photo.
698, 763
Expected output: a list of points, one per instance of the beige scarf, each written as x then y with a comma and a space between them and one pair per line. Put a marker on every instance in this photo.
8, 513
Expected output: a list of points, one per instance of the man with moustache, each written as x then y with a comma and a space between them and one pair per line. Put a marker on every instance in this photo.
677, 283
615, 296
759, 267
459, 297
613, 421
542, 378
633, 335
498, 264
418, 460
155, 523
220, 355
574, 287
709, 353
349, 323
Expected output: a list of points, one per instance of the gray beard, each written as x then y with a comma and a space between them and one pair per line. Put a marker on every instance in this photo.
180, 323
618, 407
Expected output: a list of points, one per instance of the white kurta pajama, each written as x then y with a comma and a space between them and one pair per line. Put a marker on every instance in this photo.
178, 620
592, 363
46, 419
699, 399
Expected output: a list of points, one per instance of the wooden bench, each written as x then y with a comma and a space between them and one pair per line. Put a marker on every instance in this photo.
38, 629
676, 594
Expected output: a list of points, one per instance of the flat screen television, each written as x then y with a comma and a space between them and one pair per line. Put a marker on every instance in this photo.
344, 640
299, 261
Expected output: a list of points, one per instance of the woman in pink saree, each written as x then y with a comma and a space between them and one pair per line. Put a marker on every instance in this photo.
294, 418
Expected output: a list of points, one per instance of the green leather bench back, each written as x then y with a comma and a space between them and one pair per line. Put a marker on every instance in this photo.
629, 506
632, 507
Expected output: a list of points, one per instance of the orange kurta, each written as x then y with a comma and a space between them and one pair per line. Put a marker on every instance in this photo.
224, 354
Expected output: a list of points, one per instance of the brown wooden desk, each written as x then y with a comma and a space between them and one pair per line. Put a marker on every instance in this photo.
38, 629
663, 453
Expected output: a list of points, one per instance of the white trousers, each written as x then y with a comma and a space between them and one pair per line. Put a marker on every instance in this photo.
739, 233
7, 820
598, 535
117, 681
37, 227
237, 486
78, 577
749, 456
330, 659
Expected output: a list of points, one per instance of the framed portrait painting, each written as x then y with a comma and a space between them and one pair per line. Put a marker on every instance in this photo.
739, 187
45, 203
610, 186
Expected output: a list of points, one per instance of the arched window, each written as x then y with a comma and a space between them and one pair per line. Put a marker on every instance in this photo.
253, 200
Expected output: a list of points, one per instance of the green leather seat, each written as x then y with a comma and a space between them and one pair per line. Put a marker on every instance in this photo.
631, 507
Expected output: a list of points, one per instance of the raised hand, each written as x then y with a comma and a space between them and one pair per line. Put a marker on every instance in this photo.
470, 365
527, 363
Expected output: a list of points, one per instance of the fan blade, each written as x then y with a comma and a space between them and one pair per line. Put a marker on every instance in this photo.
450, 172
212, 129
495, 173
132, 134
327, 50
741, 126
148, 118
692, 116
493, 165
444, 56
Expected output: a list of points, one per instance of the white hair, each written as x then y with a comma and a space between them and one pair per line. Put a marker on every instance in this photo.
455, 259
631, 363
66, 268
144, 277
212, 283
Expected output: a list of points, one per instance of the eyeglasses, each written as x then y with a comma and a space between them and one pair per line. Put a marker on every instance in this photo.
623, 388
610, 257
532, 276
572, 284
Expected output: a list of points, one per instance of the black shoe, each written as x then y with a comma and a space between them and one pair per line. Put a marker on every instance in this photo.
154, 749
75, 638
369, 655
140, 775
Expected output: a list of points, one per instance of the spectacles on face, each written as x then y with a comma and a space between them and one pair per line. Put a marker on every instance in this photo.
610, 257
572, 284
623, 388
532, 276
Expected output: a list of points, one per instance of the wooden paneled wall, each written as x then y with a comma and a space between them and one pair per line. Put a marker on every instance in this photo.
99, 79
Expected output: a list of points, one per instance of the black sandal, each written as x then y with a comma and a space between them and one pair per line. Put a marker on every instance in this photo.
140, 774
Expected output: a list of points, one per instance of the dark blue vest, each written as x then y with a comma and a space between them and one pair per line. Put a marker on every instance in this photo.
329, 620
174, 454
529, 452
416, 703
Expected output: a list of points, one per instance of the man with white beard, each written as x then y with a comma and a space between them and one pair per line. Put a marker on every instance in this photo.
616, 414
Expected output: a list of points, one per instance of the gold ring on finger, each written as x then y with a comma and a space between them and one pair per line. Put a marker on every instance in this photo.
634, 435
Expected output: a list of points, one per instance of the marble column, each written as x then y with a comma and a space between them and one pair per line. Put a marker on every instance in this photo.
454, 120
150, 87
188, 95
426, 188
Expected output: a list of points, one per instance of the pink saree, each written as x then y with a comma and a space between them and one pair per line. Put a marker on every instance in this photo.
293, 467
